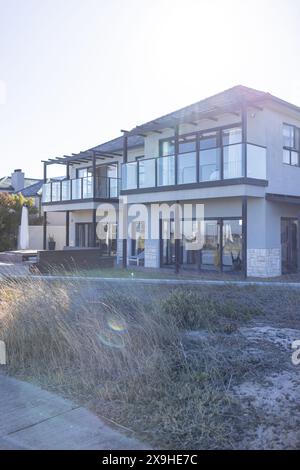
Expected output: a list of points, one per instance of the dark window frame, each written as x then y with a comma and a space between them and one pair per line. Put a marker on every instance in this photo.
197, 135
296, 145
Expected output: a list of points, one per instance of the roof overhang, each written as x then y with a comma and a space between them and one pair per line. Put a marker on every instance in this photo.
283, 198
82, 157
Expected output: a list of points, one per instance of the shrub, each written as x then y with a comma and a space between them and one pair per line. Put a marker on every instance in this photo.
121, 355
193, 310
10, 218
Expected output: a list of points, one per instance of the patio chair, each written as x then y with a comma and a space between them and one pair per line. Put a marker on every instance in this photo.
137, 259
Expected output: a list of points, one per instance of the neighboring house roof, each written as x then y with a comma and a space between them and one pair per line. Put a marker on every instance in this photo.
32, 190
5, 183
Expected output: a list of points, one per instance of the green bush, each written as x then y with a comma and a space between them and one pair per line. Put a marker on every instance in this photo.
192, 310
10, 218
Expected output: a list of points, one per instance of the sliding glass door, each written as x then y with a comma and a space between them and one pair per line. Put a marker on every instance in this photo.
213, 255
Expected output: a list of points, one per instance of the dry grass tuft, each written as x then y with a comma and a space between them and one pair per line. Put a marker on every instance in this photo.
122, 354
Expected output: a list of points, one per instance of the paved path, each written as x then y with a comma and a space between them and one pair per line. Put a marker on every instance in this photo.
13, 269
31, 418
157, 281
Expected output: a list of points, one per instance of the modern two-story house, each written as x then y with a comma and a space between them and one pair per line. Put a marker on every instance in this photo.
235, 153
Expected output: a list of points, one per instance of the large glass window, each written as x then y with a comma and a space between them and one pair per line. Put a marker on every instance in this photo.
167, 147
138, 238
232, 136
210, 253
209, 161
209, 140
168, 242
232, 244
291, 145
288, 136
84, 235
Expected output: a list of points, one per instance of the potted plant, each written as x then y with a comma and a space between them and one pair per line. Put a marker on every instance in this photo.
51, 243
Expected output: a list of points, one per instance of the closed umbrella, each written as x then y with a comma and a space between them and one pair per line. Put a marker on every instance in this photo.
24, 230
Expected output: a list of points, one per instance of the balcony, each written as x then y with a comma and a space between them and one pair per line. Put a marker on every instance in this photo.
81, 189
206, 167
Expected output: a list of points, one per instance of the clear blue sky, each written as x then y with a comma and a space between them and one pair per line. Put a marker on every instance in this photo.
74, 72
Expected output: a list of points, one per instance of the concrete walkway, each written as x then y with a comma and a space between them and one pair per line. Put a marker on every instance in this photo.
153, 281
31, 418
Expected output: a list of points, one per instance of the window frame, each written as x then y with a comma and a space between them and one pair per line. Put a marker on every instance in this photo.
295, 148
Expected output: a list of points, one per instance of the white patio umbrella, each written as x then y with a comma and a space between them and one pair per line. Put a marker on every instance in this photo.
24, 230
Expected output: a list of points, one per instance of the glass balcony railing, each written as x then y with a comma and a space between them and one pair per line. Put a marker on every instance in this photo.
80, 189
256, 162
214, 164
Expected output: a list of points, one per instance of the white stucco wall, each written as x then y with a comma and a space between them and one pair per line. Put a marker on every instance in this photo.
36, 236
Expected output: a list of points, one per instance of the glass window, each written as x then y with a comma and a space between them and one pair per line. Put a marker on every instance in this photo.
187, 144
291, 144
232, 244
168, 242
232, 136
233, 161
294, 158
288, 136
186, 168
167, 147
210, 164
210, 253
208, 140
138, 238
83, 172
286, 156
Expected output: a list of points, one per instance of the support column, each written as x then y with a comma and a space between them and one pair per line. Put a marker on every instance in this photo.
124, 221
45, 230
176, 151
67, 228
298, 244
177, 236
244, 140
94, 176
45, 213
94, 227
244, 232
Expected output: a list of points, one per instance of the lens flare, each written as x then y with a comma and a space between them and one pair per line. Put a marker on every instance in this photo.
113, 332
